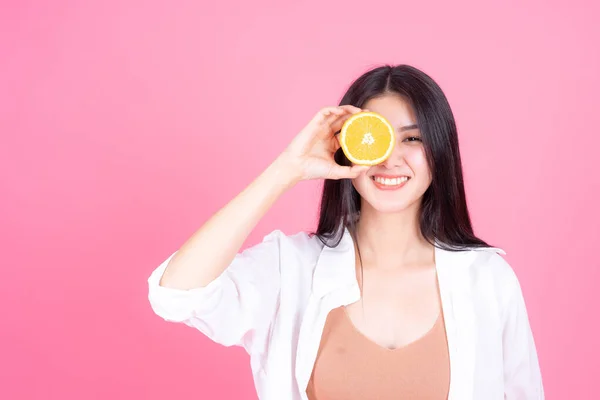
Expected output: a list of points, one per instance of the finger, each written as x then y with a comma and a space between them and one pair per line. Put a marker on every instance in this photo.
342, 172
331, 111
351, 109
335, 143
359, 169
337, 124
326, 116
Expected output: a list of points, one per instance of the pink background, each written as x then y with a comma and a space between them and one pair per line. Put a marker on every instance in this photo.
125, 124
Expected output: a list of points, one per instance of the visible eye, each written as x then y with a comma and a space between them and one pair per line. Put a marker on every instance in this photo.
413, 139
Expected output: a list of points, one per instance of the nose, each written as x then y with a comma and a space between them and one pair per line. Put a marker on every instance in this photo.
395, 159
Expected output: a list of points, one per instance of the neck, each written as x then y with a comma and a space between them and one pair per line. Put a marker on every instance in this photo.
391, 236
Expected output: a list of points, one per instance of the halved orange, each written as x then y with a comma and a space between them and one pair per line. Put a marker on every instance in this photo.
367, 138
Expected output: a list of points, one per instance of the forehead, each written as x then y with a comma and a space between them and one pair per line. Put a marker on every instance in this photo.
394, 108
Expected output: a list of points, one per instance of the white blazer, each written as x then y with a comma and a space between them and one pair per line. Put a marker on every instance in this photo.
275, 296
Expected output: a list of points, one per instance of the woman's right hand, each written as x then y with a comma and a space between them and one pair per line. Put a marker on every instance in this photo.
310, 154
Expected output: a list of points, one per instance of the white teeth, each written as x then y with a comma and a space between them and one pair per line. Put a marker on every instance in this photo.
390, 181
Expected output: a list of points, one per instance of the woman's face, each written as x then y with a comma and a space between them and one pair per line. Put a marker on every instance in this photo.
400, 182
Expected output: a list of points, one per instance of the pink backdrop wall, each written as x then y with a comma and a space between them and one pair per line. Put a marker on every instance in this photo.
125, 124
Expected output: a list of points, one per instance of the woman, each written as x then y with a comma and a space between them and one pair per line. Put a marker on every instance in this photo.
394, 297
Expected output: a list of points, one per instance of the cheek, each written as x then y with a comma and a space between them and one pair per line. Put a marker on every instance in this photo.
418, 161
360, 183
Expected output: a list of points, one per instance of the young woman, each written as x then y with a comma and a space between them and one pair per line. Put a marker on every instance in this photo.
393, 297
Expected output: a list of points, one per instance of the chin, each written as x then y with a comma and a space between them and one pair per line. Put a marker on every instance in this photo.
388, 207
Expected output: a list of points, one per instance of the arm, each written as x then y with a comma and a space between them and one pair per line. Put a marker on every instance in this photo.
216, 243
231, 296
209, 286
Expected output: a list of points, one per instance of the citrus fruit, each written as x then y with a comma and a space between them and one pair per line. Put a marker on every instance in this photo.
367, 138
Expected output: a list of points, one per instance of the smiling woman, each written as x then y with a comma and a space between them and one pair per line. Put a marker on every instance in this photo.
393, 296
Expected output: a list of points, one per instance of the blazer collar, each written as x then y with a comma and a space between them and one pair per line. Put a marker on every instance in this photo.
336, 267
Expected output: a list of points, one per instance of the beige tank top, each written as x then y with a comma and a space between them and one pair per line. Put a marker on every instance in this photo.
349, 366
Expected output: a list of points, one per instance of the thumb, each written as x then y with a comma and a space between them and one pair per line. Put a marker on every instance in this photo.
342, 172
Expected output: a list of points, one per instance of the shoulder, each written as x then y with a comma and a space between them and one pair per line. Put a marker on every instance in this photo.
302, 245
492, 261
299, 240
491, 269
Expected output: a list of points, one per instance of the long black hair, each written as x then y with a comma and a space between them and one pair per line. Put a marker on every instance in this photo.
444, 217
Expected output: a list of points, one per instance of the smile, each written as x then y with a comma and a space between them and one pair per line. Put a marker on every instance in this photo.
390, 182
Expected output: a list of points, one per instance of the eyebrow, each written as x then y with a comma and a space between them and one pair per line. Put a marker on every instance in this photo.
407, 128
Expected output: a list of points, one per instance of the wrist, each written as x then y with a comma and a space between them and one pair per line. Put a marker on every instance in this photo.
286, 170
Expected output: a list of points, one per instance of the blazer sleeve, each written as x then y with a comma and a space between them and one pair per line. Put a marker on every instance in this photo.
522, 376
236, 307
